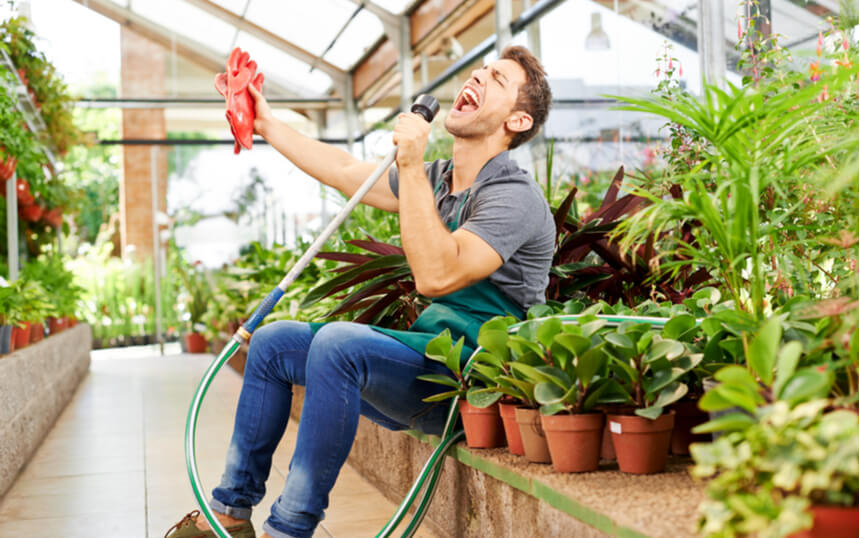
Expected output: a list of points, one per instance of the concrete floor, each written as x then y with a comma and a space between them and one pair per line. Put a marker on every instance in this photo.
113, 465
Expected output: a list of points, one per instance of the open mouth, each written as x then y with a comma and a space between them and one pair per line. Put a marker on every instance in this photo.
469, 100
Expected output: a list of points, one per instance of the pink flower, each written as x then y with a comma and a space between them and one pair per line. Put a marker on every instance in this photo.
820, 43
680, 70
658, 72
740, 31
670, 63
844, 43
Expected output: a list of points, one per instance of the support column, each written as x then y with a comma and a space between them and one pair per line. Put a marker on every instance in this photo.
12, 225
711, 42
349, 112
405, 64
533, 32
142, 75
504, 13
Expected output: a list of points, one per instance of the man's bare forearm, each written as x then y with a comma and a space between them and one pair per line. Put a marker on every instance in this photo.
326, 163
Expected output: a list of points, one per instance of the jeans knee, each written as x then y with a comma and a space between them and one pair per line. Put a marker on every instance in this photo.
332, 344
273, 343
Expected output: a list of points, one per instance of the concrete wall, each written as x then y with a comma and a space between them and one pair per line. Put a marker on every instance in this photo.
36, 383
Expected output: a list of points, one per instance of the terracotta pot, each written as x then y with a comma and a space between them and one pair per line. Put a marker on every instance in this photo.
641, 444
831, 522
37, 332
534, 439
483, 425
607, 449
23, 75
574, 441
73, 322
687, 416
21, 335
195, 343
7, 168
512, 430
22, 188
31, 212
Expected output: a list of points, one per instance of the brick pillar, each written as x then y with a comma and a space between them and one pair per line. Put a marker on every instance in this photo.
143, 64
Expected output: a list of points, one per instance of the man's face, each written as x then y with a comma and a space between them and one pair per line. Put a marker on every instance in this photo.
486, 100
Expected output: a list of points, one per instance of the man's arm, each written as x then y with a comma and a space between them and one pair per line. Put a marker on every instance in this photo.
328, 164
441, 261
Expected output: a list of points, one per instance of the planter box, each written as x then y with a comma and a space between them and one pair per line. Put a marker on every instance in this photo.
36, 383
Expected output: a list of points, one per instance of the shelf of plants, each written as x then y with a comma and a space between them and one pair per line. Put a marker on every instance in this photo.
35, 125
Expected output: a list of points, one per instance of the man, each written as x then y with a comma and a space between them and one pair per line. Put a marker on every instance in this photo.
479, 238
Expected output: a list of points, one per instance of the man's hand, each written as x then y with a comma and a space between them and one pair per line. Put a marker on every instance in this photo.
410, 137
263, 111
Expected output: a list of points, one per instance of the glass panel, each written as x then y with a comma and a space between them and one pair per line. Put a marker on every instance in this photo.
236, 6
187, 20
283, 68
361, 33
394, 6
310, 25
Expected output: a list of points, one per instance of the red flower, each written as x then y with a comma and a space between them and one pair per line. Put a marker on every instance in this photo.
815, 71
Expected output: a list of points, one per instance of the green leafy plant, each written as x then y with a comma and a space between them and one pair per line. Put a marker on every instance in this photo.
441, 349
764, 478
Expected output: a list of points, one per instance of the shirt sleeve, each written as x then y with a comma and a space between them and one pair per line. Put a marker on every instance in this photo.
506, 215
434, 171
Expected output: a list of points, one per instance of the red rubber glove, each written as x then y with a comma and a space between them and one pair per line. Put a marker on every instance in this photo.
233, 85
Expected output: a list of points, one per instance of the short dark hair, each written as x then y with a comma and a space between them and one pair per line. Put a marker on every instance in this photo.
534, 96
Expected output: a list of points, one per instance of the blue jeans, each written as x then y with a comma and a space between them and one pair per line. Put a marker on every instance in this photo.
348, 370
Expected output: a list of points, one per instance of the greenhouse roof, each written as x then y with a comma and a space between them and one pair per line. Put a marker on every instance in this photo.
320, 46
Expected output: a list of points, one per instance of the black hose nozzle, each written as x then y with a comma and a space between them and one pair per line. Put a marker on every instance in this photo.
427, 106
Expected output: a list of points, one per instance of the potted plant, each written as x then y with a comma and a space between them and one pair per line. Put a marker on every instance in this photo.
9, 316
569, 396
198, 295
479, 410
791, 470
649, 367
15, 140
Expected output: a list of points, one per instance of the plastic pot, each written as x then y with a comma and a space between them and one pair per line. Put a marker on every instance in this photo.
831, 522
574, 441
56, 325
641, 444
687, 416
512, 429
22, 189
53, 217
195, 343
607, 449
7, 343
483, 425
534, 439
21, 335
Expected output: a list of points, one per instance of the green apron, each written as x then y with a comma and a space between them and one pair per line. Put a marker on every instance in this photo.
462, 312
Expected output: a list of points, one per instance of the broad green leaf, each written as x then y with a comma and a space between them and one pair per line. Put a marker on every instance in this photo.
729, 422
806, 384
670, 349
521, 346
548, 393
587, 366
762, 351
737, 375
575, 343
786, 364
547, 331
530, 373
661, 379
437, 348
671, 394
623, 369
561, 357
620, 340
495, 342
677, 326
539, 311
651, 412
482, 357
736, 395
440, 379
555, 375
453, 359
735, 348
552, 409
592, 327
480, 398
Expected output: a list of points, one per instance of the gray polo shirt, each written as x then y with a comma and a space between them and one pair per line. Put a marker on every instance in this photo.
506, 208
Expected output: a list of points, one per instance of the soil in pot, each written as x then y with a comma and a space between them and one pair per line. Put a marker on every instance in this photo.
21, 335
195, 343
574, 441
507, 410
831, 522
687, 416
483, 425
641, 444
534, 439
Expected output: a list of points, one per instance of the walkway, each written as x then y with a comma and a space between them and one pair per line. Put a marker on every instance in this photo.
113, 465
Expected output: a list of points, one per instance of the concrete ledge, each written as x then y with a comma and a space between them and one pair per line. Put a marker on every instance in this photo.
494, 493
36, 383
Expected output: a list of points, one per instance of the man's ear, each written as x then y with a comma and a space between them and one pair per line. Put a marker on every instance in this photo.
519, 122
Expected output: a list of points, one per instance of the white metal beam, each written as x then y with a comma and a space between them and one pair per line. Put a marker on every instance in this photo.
388, 18
272, 39
504, 13
185, 47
